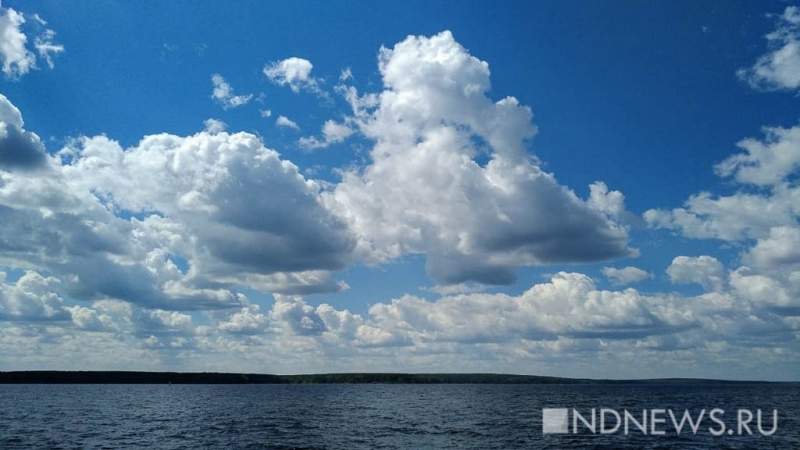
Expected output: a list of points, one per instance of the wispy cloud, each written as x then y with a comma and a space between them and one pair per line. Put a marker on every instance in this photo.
626, 275
17, 58
223, 93
283, 121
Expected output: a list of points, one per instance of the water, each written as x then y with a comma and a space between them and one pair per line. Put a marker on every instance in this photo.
370, 416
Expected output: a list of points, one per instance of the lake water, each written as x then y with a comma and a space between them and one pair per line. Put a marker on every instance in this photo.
376, 416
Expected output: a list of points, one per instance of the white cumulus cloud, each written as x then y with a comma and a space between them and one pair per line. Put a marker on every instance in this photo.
248, 320
569, 305
32, 297
781, 249
214, 126
780, 68
230, 206
332, 133
704, 270
423, 191
771, 165
294, 72
766, 162
175, 222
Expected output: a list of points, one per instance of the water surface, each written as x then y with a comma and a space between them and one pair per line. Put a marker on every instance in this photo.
469, 416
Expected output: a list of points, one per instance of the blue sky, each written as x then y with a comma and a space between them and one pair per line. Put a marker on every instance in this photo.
559, 188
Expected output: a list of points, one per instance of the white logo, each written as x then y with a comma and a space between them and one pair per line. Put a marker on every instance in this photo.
555, 421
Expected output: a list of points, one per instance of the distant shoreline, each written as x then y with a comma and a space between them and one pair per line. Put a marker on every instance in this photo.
135, 377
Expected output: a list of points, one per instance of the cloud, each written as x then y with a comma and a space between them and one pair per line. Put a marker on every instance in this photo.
227, 204
780, 68
569, 305
452, 289
47, 48
110, 247
611, 203
157, 322
346, 74
735, 217
764, 163
424, 192
560, 318
297, 316
19, 149
704, 270
626, 275
766, 294
31, 298
330, 327
549, 325
249, 320
332, 133
17, 59
781, 249
223, 93
761, 217
173, 223
295, 73
215, 126
283, 121
771, 165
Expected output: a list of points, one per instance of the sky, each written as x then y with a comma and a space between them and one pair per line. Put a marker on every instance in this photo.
579, 189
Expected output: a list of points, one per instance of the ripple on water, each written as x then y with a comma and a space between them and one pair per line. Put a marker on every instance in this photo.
362, 416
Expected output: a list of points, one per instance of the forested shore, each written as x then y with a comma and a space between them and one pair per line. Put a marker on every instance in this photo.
132, 377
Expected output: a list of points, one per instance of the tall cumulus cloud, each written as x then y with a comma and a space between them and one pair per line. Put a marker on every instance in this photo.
424, 190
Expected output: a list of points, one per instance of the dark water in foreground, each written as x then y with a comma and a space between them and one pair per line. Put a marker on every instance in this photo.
376, 416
